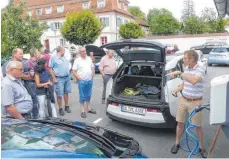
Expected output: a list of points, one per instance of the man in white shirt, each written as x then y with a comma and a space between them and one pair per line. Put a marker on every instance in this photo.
83, 70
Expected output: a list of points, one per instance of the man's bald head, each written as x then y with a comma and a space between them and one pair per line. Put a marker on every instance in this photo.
83, 52
110, 53
17, 54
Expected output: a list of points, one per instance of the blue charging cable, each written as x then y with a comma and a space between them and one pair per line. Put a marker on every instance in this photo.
190, 135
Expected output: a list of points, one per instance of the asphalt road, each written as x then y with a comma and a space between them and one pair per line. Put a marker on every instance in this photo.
156, 143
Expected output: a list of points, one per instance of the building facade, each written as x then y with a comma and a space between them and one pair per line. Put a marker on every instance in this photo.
112, 13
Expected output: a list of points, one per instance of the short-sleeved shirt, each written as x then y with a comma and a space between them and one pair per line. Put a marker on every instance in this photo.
83, 67
60, 65
30, 64
194, 90
44, 77
47, 58
14, 93
108, 65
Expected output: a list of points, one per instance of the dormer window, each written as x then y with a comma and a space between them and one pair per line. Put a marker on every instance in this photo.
39, 11
60, 9
119, 4
101, 3
48, 10
86, 5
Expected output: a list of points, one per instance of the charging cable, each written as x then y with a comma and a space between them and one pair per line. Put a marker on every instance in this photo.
190, 135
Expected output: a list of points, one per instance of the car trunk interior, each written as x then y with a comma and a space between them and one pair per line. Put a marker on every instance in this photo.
139, 84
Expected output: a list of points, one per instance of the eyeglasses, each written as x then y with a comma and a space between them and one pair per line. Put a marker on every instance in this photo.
20, 69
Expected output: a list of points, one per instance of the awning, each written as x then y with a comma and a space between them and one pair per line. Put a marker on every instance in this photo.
222, 7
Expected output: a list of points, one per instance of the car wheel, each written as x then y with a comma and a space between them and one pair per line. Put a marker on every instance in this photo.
209, 64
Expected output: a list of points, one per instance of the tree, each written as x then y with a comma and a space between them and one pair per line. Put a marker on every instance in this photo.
188, 10
208, 14
161, 21
215, 25
131, 30
19, 30
81, 28
136, 11
195, 25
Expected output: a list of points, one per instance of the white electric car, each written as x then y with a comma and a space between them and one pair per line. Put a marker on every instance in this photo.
140, 91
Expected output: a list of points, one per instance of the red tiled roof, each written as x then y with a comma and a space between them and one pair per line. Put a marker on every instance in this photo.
141, 21
70, 6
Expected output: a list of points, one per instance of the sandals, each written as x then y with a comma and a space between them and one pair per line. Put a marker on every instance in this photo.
83, 115
92, 111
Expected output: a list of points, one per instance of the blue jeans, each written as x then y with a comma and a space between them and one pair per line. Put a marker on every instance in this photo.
85, 90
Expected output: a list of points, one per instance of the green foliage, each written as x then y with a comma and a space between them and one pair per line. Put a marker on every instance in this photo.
131, 30
136, 11
18, 30
215, 25
81, 28
195, 25
161, 21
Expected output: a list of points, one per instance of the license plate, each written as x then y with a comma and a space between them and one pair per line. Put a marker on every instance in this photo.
133, 110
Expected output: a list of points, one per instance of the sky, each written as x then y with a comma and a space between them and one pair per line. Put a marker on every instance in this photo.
175, 6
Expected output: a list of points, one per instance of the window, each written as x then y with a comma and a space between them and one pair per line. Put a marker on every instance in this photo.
57, 25
125, 7
48, 10
29, 13
62, 42
101, 3
105, 21
86, 5
60, 9
39, 11
119, 21
103, 40
119, 4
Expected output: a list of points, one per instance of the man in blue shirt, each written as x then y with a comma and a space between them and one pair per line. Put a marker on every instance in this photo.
60, 72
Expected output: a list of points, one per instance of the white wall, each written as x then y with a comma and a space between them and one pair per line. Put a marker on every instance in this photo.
110, 31
186, 43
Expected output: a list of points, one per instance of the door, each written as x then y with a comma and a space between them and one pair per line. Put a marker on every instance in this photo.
47, 44
172, 84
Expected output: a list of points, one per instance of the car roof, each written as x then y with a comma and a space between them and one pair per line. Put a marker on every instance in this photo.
141, 41
221, 46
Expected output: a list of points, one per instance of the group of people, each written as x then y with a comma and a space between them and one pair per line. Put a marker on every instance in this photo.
29, 86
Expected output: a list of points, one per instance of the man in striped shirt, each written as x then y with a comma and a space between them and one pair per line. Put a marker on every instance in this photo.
192, 92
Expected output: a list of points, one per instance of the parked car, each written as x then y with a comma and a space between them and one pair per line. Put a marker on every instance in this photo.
169, 49
140, 91
208, 46
59, 138
202, 60
219, 55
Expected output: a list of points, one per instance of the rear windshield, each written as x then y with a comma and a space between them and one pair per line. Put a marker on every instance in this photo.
220, 50
18, 134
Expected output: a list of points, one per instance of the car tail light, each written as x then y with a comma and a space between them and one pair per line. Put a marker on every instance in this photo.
115, 104
153, 110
